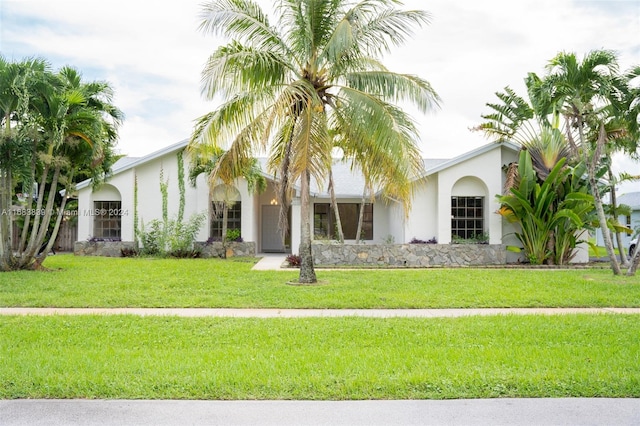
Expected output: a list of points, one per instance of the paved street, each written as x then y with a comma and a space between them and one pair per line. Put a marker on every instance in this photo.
495, 412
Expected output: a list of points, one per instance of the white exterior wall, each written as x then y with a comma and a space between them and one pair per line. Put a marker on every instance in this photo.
150, 198
423, 222
120, 188
480, 175
487, 169
396, 223
382, 221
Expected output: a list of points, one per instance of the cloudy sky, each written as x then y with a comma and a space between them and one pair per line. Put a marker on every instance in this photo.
152, 53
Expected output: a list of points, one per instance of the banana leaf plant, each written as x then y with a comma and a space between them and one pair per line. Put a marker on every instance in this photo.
551, 214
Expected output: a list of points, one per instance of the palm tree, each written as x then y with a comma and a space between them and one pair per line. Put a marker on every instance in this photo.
19, 82
590, 94
206, 160
599, 108
71, 130
289, 88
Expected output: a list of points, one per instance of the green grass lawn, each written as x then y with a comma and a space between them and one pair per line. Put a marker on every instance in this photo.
314, 358
319, 358
145, 282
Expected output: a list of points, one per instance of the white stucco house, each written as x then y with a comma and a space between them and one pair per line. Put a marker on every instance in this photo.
454, 197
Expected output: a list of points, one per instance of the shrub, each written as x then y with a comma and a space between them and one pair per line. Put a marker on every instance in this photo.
128, 252
482, 238
172, 238
234, 235
417, 241
153, 241
294, 260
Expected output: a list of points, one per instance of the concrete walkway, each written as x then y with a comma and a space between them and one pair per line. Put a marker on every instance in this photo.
495, 412
301, 313
271, 262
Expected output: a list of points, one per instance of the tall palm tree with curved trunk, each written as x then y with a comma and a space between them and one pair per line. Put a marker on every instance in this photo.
290, 88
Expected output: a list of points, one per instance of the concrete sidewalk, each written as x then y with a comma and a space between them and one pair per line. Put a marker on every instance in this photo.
301, 313
271, 262
507, 411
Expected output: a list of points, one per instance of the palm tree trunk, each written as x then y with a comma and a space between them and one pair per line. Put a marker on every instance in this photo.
615, 266
54, 234
27, 219
37, 218
52, 239
283, 190
6, 225
361, 215
634, 264
225, 225
614, 214
334, 205
307, 272
38, 233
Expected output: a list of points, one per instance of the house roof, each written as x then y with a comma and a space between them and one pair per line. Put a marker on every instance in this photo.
126, 163
631, 199
349, 183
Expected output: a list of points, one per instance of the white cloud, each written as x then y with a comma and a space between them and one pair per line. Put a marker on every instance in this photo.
153, 53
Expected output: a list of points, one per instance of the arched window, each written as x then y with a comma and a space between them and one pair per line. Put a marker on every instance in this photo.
107, 213
468, 209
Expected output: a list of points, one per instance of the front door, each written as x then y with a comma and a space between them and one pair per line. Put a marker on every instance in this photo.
271, 237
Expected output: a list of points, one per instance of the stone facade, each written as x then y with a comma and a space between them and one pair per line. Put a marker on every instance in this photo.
234, 249
408, 255
113, 248
102, 248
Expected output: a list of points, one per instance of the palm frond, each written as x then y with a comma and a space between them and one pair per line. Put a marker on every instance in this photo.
237, 68
381, 27
395, 88
242, 20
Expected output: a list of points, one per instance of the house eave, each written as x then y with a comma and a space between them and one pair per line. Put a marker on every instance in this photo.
157, 154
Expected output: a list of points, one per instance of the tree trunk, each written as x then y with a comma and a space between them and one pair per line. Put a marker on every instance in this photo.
6, 218
614, 214
606, 236
52, 239
37, 217
38, 233
634, 263
361, 216
336, 211
307, 272
27, 218
225, 225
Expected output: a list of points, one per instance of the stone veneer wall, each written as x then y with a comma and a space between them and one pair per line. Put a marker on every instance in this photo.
409, 255
102, 248
113, 248
234, 249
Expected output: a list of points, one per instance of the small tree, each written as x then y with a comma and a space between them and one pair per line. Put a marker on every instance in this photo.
207, 160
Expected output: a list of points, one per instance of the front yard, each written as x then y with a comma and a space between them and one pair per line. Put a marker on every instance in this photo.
146, 282
133, 357
319, 358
